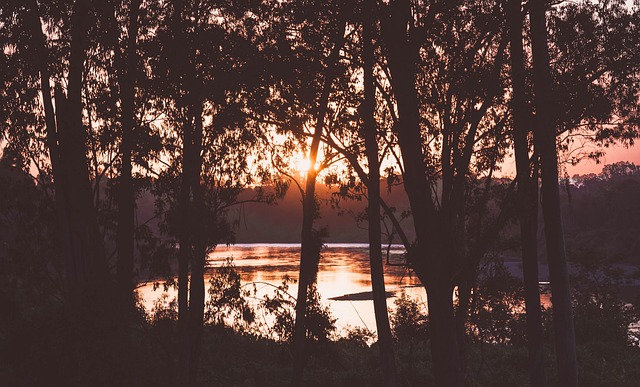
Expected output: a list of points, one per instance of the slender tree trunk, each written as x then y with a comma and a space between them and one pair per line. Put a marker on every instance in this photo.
126, 194
310, 245
546, 141
527, 197
199, 234
192, 238
185, 251
50, 122
309, 258
387, 356
183, 72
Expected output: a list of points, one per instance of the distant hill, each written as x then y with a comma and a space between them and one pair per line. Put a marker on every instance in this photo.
602, 215
281, 222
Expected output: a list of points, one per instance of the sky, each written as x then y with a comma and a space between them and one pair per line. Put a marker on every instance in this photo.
613, 154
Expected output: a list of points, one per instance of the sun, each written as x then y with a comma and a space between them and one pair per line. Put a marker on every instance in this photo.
299, 164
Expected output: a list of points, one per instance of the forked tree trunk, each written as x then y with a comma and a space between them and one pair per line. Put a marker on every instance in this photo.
88, 307
50, 121
431, 259
192, 237
86, 267
385, 341
189, 261
527, 197
546, 142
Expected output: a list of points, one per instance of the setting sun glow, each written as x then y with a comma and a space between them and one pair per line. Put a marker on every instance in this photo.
300, 164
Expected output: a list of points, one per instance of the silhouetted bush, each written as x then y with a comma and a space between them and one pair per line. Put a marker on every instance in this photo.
409, 320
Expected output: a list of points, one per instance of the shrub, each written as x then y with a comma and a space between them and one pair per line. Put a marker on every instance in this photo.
599, 312
408, 321
227, 301
498, 315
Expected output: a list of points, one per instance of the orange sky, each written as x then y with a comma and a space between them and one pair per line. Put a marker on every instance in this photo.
613, 155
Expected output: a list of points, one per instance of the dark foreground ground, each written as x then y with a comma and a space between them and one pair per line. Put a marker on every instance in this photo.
232, 359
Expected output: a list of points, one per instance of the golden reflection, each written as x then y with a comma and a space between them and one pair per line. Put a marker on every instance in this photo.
344, 270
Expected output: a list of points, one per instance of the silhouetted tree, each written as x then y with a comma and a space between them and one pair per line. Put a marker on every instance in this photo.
545, 137
126, 195
311, 242
387, 357
86, 267
527, 193
206, 91
461, 113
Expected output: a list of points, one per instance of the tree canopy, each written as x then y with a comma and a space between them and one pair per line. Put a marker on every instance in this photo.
201, 107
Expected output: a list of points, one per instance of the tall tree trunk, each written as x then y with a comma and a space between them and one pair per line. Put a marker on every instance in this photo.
546, 141
527, 197
387, 357
50, 121
192, 239
309, 259
199, 235
310, 245
88, 307
184, 74
432, 254
86, 267
447, 368
126, 194
184, 253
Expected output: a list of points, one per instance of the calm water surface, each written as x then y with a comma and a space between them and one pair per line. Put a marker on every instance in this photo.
344, 270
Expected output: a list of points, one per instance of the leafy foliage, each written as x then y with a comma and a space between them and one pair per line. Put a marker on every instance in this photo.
600, 312
281, 306
227, 302
409, 321
498, 316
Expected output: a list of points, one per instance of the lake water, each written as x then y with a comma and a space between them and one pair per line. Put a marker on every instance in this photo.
344, 270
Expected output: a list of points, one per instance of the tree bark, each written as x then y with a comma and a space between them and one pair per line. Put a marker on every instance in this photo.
184, 253
126, 195
444, 342
50, 122
433, 253
527, 197
88, 289
185, 79
385, 341
546, 142
199, 235
86, 267
309, 250
310, 245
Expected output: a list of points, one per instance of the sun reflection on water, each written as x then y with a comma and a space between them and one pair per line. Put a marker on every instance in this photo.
344, 270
